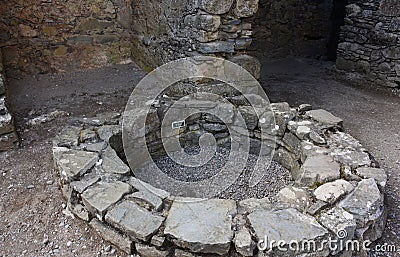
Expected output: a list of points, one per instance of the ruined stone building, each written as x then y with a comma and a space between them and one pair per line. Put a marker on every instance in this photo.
43, 36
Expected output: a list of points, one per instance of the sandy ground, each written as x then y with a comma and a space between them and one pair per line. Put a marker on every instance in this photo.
33, 221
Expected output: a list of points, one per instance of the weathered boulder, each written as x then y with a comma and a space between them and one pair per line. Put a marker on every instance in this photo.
331, 191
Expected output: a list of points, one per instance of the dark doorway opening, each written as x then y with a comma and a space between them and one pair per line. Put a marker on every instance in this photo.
337, 20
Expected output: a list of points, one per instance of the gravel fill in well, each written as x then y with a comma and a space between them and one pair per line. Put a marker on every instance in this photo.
276, 176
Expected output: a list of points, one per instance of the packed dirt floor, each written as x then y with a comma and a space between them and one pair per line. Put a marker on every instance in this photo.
33, 221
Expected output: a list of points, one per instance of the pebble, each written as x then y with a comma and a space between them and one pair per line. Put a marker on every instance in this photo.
49, 182
30, 187
45, 240
69, 243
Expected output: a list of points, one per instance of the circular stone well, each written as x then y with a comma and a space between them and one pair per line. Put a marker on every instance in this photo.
335, 191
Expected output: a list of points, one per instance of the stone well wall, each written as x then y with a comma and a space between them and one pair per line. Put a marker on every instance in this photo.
51, 36
8, 136
370, 42
338, 194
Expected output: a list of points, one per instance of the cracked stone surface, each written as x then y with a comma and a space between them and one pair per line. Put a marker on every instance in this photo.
340, 222
112, 163
365, 202
287, 225
102, 195
318, 169
134, 220
378, 174
73, 163
203, 226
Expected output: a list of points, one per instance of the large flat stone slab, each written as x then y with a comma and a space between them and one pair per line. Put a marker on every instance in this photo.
317, 169
73, 163
287, 225
201, 226
99, 197
324, 117
134, 220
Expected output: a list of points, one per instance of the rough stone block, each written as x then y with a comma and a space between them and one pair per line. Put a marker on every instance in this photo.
217, 47
73, 163
325, 118
99, 197
216, 6
317, 169
332, 191
134, 220
378, 174
149, 251
190, 223
365, 202
244, 244
246, 8
341, 223
112, 163
287, 225
112, 236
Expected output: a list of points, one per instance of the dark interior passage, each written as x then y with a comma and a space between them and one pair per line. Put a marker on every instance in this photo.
337, 20
297, 28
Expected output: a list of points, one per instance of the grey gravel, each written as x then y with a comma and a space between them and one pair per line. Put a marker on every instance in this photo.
276, 176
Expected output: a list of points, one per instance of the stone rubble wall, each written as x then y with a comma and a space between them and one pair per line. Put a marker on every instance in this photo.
8, 135
168, 30
370, 41
41, 36
339, 193
291, 28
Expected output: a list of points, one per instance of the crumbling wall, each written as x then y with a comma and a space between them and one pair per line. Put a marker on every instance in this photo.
56, 35
8, 136
167, 30
299, 28
370, 41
